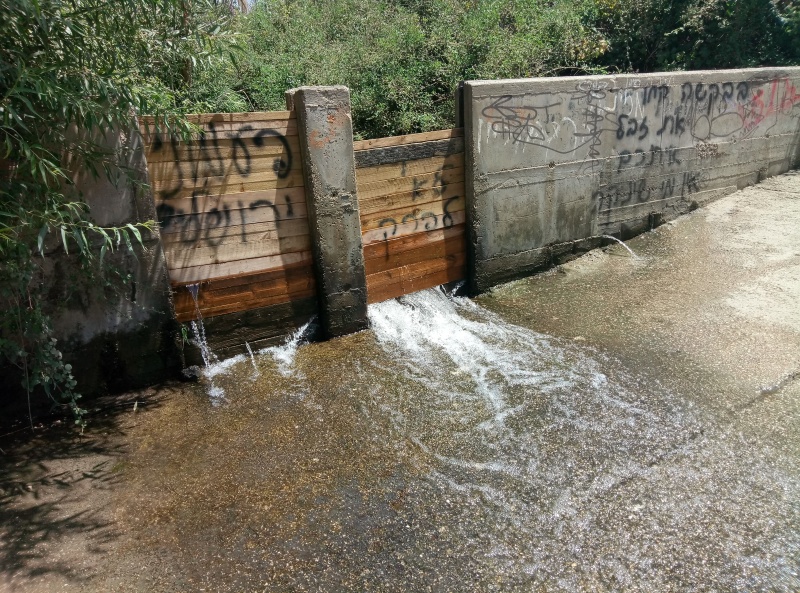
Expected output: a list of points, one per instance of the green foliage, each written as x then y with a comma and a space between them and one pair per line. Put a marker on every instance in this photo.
402, 59
651, 35
72, 74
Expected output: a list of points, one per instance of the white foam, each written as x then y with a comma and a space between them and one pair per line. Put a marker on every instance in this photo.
284, 354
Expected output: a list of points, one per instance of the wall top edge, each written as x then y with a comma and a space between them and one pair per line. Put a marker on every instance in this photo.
736, 73
247, 116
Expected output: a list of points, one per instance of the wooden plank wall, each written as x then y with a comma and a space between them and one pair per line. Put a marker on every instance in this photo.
232, 211
411, 197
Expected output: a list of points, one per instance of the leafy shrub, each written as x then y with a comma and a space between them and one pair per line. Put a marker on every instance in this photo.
651, 35
402, 59
71, 73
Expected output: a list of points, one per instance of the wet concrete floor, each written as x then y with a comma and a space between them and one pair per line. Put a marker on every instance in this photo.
617, 424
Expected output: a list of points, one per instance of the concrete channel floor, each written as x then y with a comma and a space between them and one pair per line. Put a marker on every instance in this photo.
633, 425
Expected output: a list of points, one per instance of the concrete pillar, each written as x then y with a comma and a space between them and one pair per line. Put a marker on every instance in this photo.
326, 143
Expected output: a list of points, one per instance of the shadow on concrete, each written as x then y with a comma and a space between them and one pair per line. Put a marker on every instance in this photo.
55, 483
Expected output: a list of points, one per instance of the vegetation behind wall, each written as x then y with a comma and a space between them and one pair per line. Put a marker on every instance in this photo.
403, 58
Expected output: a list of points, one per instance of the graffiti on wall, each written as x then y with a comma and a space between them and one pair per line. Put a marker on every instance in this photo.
192, 164
655, 128
565, 123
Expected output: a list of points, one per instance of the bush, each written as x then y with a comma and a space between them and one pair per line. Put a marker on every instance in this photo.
652, 35
401, 59
71, 73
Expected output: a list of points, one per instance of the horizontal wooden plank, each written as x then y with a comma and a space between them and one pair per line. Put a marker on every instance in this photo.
186, 188
259, 325
195, 226
229, 176
385, 249
224, 149
279, 291
244, 279
410, 199
283, 284
376, 189
247, 304
197, 170
429, 252
242, 266
153, 136
408, 139
287, 196
186, 256
430, 215
409, 168
250, 116
411, 278
211, 236
401, 229
408, 152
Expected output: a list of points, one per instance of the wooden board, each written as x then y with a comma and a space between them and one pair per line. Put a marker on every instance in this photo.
408, 139
247, 303
231, 177
409, 168
375, 189
410, 199
384, 249
392, 231
250, 116
222, 130
408, 152
431, 215
244, 266
237, 233
223, 149
260, 326
193, 226
254, 290
168, 190
292, 199
411, 278
184, 255
397, 256
200, 169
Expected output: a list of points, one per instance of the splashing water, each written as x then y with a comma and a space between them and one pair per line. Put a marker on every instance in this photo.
284, 354
198, 329
621, 243
252, 358
524, 427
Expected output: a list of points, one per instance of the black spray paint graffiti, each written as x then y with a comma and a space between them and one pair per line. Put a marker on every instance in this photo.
638, 191
196, 226
428, 220
523, 126
199, 228
594, 94
647, 158
580, 120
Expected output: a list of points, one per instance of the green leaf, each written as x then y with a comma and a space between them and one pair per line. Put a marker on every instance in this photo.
135, 232
40, 239
64, 238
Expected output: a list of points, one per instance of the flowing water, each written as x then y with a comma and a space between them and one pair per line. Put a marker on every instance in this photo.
628, 249
527, 461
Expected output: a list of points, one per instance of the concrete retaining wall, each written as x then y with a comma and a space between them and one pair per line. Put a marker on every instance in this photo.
556, 161
550, 167
119, 331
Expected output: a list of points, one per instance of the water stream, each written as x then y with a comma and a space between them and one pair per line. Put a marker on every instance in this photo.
464, 444
630, 251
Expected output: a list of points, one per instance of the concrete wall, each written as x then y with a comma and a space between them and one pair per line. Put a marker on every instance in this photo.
553, 162
550, 166
118, 332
